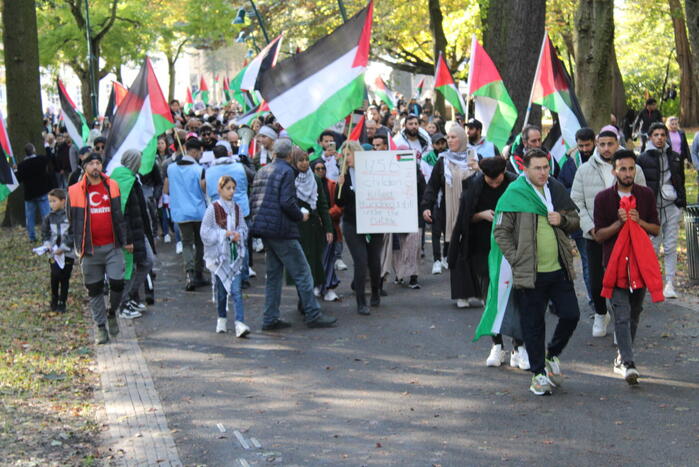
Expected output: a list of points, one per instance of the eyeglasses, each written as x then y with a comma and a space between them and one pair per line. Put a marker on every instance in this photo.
318, 169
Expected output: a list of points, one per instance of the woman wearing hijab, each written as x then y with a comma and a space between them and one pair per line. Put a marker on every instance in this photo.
329, 187
454, 166
317, 231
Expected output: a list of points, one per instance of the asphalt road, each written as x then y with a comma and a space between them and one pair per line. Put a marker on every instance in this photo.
406, 386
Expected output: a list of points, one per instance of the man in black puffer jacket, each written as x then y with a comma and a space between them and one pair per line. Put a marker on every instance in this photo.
275, 214
664, 173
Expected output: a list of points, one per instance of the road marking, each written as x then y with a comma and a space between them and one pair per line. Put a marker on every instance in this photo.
220, 427
241, 440
255, 443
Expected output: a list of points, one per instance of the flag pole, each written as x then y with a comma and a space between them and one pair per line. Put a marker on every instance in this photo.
538, 65
179, 142
470, 75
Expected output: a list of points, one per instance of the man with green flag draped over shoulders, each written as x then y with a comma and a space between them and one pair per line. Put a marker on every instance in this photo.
531, 264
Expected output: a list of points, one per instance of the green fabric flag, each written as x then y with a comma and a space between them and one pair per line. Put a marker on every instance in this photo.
519, 197
125, 179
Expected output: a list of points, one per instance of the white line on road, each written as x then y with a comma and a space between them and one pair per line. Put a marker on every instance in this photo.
241, 440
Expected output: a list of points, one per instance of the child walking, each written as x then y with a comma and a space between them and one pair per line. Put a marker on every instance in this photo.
57, 243
224, 233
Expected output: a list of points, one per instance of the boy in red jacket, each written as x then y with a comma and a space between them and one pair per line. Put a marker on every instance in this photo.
627, 303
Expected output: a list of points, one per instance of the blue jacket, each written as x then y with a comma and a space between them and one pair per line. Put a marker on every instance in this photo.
275, 209
227, 166
187, 203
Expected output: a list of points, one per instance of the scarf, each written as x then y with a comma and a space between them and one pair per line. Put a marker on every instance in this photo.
307, 188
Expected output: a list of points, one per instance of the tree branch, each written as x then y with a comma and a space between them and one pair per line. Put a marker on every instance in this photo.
110, 22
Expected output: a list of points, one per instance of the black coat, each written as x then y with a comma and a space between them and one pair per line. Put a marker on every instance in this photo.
138, 221
649, 161
464, 284
273, 204
432, 190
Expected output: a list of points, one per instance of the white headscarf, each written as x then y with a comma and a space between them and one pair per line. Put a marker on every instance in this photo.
307, 188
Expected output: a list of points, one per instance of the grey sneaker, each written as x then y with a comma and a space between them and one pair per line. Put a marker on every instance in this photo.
113, 325
553, 371
540, 385
101, 336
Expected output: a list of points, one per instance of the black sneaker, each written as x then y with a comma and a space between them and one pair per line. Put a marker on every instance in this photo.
54, 304
413, 283
61, 307
322, 321
276, 325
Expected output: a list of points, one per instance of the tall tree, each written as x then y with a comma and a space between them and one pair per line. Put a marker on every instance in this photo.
594, 51
516, 59
689, 91
440, 45
691, 9
24, 118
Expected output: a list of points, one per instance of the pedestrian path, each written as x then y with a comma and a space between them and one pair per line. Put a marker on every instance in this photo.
138, 433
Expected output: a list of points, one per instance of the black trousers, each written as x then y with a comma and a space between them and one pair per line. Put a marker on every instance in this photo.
60, 279
594, 264
365, 255
557, 288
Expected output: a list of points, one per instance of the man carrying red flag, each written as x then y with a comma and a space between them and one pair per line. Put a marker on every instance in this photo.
625, 214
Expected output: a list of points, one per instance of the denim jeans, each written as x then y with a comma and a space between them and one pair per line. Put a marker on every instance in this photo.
287, 253
627, 307
30, 207
222, 298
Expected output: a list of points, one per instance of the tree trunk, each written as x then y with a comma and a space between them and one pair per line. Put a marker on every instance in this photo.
118, 74
594, 46
512, 36
689, 92
440, 45
619, 107
691, 8
24, 116
171, 78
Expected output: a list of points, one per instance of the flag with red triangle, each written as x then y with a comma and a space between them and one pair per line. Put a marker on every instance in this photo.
356, 132
74, 121
382, 92
444, 83
203, 92
188, 101
8, 181
420, 87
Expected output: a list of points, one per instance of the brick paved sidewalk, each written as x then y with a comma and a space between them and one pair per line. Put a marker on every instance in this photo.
138, 434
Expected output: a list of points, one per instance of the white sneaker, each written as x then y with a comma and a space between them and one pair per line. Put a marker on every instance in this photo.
167, 238
126, 313
497, 356
514, 358
331, 296
133, 304
340, 265
669, 291
241, 329
462, 303
523, 358
316, 292
437, 267
445, 264
257, 245
599, 326
221, 325
251, 272
178, 248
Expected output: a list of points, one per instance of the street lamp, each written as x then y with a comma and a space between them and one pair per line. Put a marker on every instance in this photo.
90, 60
240, 19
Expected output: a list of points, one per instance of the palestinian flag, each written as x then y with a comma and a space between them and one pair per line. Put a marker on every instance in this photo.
392, 146
125, 179
356, 133
203, 92
259, 111
140, 119
493, 105
444, 83
499, 307
320, 86
115, 97
75, 122
227, 90
383, 93
420, 87
188, 101
553, 89
8, 181
237, 93
265, 60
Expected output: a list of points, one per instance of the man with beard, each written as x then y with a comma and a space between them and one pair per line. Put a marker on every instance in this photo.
330, 155
610, 217
414, 137
593, 176
265, 137
531, 139
474, 129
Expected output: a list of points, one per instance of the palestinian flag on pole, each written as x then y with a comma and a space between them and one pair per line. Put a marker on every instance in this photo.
75, 122
493, 105
518, 197
116, 96
237, 93
356, 133
320, 86
140, 119
263, 62
226, 89
8, 181
259, 111
203, 92
444, 83
420, 87
188, 101
383, 93
553, 89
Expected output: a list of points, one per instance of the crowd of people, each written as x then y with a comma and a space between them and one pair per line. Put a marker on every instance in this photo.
225, 197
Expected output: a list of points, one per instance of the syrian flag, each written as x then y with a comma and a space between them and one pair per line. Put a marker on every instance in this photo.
8, 181
383, 93
265, 60
500, 304
444, 83
553, 89
320, 86
188, 101
493, 105
259, 111
420, 86
75, 122
140, 119
203, 92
